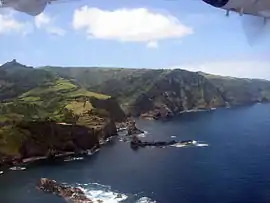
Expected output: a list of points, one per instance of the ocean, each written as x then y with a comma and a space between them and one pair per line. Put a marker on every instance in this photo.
231, 164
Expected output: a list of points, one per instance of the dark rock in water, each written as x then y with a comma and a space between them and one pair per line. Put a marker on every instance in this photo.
136, 142
132, 129
70, 194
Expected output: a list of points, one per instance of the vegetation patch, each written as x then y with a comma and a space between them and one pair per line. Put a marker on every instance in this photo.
79, 107
85, 93
11, 139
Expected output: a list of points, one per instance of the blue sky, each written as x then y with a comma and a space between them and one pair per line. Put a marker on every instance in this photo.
185, 34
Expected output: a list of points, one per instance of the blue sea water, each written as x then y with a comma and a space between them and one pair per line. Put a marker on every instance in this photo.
235, 167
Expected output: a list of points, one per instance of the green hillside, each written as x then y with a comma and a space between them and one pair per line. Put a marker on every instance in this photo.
52, 100
146, 90
47, 97
31, 115
16, 79
241, 91
138, 91
33, 101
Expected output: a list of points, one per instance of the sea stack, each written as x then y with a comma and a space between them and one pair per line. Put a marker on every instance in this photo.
70, 194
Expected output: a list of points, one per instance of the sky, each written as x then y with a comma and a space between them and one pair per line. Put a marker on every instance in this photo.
187, 34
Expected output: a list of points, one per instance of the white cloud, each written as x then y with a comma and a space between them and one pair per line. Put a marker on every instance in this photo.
136, 25
152, 44
9, 24
47, 23
244, 69
42, 20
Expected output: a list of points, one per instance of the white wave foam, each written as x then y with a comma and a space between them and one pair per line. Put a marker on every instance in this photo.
98, 192
173, 136
178, 145
73, 159
92, 152
122, 129
143, 134
1, 172
194, 143
202, 145
17, 168
104, 196
145, 200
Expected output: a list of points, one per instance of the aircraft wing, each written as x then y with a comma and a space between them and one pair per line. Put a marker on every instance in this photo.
30, 7
259, 8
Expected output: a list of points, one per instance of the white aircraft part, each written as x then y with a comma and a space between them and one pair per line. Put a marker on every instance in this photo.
252, 7
265, 13
31, 7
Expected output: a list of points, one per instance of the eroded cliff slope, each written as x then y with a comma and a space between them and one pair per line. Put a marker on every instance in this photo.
163, 92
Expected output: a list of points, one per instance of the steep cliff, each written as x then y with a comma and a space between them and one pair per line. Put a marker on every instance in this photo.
161, 93
111, 106
52, 116
31, 139
237, 91
175, 92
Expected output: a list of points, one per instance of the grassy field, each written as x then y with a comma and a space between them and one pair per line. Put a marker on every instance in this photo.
49, 100
86, 93
79, 107
61, 86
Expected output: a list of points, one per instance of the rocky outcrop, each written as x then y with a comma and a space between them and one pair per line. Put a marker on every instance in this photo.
70, 194
107, 130
158, 113
136, 142
132, 129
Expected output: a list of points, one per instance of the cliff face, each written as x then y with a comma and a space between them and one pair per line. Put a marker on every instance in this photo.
30, 122
165, 92
111, 106
238, 91
49, 139
175, 92
45, 137
106, 131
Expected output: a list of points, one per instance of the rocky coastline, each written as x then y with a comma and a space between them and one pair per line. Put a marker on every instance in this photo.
56, 140
50, 140
166, 114
70, 194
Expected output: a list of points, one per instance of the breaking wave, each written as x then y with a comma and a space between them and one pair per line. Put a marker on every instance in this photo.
202, 145
195, 144
145, 200
98, 192
143, 134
